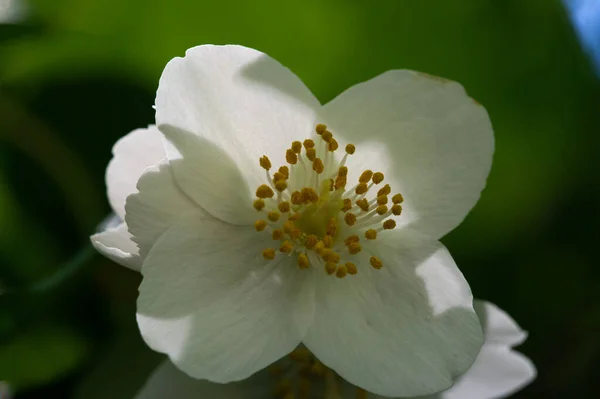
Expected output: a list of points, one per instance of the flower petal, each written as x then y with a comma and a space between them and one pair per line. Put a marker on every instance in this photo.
131, 155
407, 329
115, 243
212, 303
168, 381
237, 99
433, 143
157, 206
499, 328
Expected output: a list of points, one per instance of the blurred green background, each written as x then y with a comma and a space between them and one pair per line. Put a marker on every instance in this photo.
77, 75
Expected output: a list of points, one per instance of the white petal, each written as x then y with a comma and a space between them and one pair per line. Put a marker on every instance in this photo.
115, 243
131, 155
433, 143
238, 100
499, 328
169, 382
215, 306
156, 207
407, 329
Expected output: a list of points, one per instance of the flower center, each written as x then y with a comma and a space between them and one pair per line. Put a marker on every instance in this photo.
312, 215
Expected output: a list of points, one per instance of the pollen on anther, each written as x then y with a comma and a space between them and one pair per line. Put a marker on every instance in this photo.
310, 241
285, 171
363, 204
377, 177
397, 209
397, 199
341, 271
260, 225
376, 262
385, 190
265, 162
286, 247
350, 218
327, 136
269, 253
361, 188
332, 145
320, 128
296, 198
340, 182
277, 234
264, 191
330, 267
351, 267
309, 195
280, 185
350, 149
318, 165
343, 171
273, 216
284, 207
303, 262
297, 147
365, 177
389, 224
311, 154
291, 157
354, 248
371, 234
258, 204
382, 209
308, 143
328, 241
382, 200
351, 239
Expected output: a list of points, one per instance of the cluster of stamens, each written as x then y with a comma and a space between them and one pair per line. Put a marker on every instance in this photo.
308, 210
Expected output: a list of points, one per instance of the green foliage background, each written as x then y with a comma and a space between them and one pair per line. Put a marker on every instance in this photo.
77, 75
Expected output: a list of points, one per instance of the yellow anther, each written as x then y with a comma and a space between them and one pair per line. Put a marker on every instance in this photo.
381, 209
303, 262
382, 200
377, 177
363, 204
310, 241
328, 241
361, 188
295, 233
350, 149
365, 177
278, 176
273, 216
258, 204
294, 217
288, 226
260, 225
329, 255
286, 247
311, 154
376, 262
265, 162
300, 354
371, 234
277, 234
347, 205
296, 198
389, 224
385, 190
318, 165
350, 218
340, 182
309, 195
321, 128
343, 171
284, 170
284, 207
351, 267
341, 271
264, 191
354, 248
291, 157
398, 199
351, 239
330, 267
333, 145
297, 147
280, 185
397, 209
327, 136
331, 227
269, 253
308, 143
319, 247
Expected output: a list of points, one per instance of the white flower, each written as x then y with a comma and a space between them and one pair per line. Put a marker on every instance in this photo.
232, 282
497, 372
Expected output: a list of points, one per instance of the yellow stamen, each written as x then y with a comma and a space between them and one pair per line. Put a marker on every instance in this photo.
295, 233
320, 129
327, 136
340, 182
330, 268
377, 177
384, 191
291, 157
278, 176
309, 195
318, 165
311, 154
354, 248
280, 185
303, 261
285, 171
277, 234
264, 191
284, 207
297, 147
351, 267
376, 262
371, 234
397, 199
382, 200
333, 145
260, 225
288, 226
296, 198
381, 209
265, 162
397, 209
295, 216
329, 256
273, 216
365, 177
363, 204
347, 205
258, 204
310, 241
350, 218
389, 224
361, 188
308, 143
341, 271
350, 149
269, 253
351, 239
331, 227
286, 247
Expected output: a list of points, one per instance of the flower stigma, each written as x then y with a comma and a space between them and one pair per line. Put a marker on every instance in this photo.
311, 214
